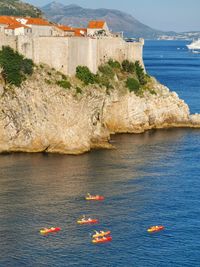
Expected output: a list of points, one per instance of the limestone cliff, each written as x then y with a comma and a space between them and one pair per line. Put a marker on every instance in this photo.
40, 116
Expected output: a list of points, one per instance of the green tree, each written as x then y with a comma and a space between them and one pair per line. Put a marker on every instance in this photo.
114, 64
15, 66
140, 73
133, 85
128, 66
85, 75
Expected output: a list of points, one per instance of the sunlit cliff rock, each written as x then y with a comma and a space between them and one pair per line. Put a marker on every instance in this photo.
43, 117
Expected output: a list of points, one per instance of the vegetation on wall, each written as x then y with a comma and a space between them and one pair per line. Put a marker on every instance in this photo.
15, 67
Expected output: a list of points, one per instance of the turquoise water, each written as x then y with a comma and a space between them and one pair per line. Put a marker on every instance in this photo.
152, 178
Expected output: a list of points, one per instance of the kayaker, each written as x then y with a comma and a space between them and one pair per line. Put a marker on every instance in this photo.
83, 218
88, 194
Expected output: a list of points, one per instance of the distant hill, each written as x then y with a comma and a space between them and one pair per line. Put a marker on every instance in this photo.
117, 21
18, 8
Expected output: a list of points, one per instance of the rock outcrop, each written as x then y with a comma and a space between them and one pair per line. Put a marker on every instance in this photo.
40, 117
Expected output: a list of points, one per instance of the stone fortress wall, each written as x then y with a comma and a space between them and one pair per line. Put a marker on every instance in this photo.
66, 53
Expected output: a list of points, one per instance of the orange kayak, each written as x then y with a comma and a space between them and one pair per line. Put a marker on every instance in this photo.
101, 234
102, 240
97, 197
87, 221
50, 230
156, 228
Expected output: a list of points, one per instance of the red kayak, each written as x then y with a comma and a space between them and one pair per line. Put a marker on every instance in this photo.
50, 230
102, 239
97, 197
156, 228
87, 221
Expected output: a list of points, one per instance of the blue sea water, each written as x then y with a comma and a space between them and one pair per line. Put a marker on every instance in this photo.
173, 65
152, 178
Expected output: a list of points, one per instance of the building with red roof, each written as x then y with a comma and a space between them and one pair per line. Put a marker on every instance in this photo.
17, 29
11, 25
64, 30
97, 27
25, 25
80, 32
39, 26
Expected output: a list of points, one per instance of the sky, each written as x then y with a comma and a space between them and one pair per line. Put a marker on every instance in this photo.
175, 15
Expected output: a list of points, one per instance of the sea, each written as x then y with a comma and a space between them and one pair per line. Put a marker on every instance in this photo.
150, 179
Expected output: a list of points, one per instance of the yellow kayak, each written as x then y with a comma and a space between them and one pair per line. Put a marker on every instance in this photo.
156, 228
101, 234
49, 230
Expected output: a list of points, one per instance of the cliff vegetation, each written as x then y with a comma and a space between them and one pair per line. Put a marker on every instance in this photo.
15, 67
18, 8
131, 74
50, 112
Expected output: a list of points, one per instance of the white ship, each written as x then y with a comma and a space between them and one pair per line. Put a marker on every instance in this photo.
195, 45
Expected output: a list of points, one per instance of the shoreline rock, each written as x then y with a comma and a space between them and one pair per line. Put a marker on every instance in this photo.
46, 118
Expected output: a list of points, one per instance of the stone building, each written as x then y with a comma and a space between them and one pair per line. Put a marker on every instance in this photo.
64, 48
97, 27
24, 26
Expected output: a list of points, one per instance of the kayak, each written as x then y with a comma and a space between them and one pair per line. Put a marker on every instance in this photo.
97, 197
87, 221
50, 230
102, 240
156, 228
101, 234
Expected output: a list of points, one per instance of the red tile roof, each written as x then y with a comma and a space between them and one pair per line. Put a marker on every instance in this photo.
94, 24
64, 28
6, 20
37, 21
80, 31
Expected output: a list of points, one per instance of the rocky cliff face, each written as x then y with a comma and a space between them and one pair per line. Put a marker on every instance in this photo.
43, 117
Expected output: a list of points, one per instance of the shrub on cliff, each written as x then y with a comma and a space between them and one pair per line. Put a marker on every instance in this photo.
15, 66
140, 73
104, 80
128, 66
107, 71
64, 84
114, 64
85, 75
133, 85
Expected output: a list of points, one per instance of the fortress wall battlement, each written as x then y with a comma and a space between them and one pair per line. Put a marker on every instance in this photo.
66, 53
